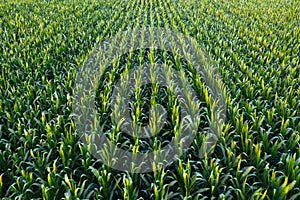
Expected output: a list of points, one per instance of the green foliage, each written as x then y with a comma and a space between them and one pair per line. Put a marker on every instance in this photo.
255, 46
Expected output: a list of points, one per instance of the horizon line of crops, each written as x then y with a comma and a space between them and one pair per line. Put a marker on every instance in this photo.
255, 46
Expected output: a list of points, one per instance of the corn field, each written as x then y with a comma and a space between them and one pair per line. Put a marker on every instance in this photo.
254, 48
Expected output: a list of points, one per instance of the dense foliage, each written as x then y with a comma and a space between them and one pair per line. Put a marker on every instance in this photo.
255, 45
